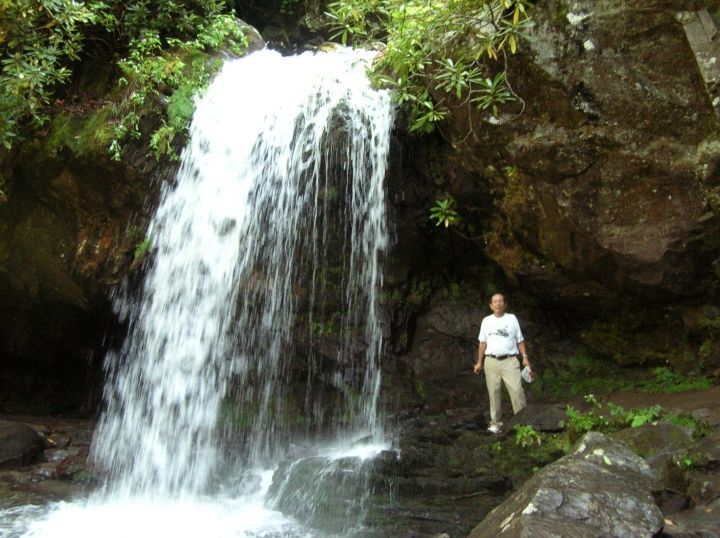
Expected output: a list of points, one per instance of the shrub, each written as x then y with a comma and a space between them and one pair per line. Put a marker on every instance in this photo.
438, 54
41, 41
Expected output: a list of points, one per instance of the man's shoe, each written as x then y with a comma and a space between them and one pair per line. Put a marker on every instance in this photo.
494, 429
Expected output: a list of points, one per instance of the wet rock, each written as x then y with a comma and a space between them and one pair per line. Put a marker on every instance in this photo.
443, 354
45, 471
702, 478
706, 452
19, 444
542, 417
321, 491
77, 472
711, 416
671, 502
59, 439
605, 195
662, 445
55, 455
703, 485
601, 489
295, 451
699, 522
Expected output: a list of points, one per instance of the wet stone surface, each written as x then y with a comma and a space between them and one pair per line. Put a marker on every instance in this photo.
58, 472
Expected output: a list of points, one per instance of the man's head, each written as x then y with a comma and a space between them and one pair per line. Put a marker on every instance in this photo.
497, 304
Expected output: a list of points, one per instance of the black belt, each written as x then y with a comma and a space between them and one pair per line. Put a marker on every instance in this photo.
501, 357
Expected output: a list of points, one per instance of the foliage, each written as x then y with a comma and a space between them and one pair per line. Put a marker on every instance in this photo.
685, 462
581, 423
443, 212
439, 53
526, 452
699, 427
581, 374
40, 40
142, 248
614, 417
668, 381
323, 328
526, 435
155, 67
636, 417
37, 41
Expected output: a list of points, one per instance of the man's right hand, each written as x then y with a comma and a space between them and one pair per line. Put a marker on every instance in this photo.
477, 368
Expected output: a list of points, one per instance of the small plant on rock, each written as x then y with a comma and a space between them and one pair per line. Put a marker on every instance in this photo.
526, 436
443, 212
142, 248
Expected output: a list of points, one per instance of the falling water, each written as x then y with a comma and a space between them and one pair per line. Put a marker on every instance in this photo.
257, 327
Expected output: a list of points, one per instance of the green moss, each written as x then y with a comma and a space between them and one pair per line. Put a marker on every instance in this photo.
559, 18
668, 381
82, 135
142, 248
419, 293
181, 104
579, 374
36, 263
706, 351
323, 328
420, 390
520, 463
640, 337
709, 319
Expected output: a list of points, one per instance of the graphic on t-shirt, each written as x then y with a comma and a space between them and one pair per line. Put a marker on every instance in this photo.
502, 331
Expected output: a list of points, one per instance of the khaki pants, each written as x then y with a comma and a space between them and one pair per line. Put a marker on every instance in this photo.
507, 371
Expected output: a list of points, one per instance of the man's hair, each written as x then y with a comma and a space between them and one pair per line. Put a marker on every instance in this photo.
502, 294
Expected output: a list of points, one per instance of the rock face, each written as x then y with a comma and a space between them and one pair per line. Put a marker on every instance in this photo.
70, 222
597, 207
616, 157
72, 225
596, 203
602, 489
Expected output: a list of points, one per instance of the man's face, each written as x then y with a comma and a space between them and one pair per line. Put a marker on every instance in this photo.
497, 304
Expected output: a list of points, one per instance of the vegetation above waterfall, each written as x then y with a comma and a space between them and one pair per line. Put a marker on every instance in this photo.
153, 44
439, 55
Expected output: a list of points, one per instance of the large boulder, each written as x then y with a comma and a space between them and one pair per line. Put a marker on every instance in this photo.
19, 444
601, 489
662, 445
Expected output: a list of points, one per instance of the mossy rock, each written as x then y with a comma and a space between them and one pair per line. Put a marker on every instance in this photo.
84, 135
641, 337
662, 445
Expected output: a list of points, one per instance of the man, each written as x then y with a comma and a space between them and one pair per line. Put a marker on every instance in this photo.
499, 341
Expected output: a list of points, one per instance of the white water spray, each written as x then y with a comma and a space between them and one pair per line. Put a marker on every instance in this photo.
235, 243
273, 232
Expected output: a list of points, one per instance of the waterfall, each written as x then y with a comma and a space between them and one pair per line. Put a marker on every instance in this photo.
272, 233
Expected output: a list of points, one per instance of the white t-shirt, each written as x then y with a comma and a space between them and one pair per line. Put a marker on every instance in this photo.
502, 334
